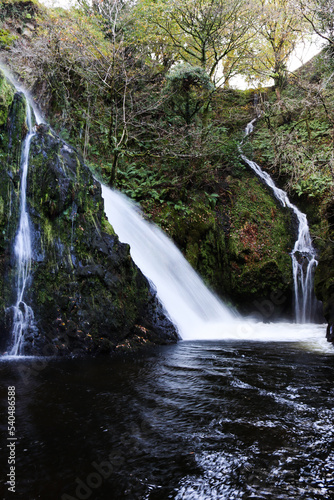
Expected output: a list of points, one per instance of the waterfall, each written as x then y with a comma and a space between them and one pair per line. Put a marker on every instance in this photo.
23, 316
303, 254
189, 303
23, 319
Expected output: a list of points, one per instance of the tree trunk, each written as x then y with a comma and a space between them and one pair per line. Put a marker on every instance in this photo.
114, 168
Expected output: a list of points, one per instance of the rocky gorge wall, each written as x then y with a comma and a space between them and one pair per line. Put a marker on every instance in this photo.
324, 276
86, 293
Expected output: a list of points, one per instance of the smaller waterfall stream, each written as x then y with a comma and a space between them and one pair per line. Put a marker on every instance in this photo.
23, 319
303, 254
23, 316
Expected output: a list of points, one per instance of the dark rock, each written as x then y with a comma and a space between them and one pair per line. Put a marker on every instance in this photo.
330, 333
87, 294
92, 270
324, 286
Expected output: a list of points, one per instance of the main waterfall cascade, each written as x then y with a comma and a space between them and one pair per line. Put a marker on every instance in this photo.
303, 254
197, 313
187, 300
23, 318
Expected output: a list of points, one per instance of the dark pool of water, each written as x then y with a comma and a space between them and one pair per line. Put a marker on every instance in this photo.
200, 420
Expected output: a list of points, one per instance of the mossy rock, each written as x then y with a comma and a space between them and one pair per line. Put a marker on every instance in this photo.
6, 96
6, 39
260, 242
12, 131
87, 294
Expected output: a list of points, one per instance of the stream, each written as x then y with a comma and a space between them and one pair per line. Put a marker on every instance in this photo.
199, 420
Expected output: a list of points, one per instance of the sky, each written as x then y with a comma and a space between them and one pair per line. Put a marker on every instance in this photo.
57, 3
305, 51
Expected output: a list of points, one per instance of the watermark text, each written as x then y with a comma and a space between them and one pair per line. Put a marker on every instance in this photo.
11, 439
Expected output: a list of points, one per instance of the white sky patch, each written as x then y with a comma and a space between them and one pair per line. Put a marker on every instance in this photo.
66, 4
305, 51
301, 55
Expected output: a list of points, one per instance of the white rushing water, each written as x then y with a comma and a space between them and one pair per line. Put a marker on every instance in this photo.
303, 254
187, 300
23, 316
19, 88
197, 313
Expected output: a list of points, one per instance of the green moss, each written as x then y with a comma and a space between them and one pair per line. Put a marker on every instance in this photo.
48, 231
260, 240
107, 227
6, 39
12, 132
6, 96
2, 209
24, 10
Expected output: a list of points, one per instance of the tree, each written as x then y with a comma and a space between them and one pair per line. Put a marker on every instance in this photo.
279, 28
320, 15
188, 91
144, 33
91, 79
206, 32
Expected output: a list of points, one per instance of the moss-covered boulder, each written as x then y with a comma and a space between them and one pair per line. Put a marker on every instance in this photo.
87, 294
260, 240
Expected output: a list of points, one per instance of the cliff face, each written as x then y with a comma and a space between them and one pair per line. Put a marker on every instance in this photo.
324, 276
86, 293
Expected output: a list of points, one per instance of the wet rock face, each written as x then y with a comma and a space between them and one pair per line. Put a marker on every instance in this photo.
86, 293
324, 287
89, 295
324, 274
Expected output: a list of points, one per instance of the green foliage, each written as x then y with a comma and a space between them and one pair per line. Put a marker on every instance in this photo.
188, 90
183, 77
212, 199
6, 39
6, 98
140, 182
315, 186
294, 139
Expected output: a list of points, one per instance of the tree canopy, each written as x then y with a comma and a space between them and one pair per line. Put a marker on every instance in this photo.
115, 72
